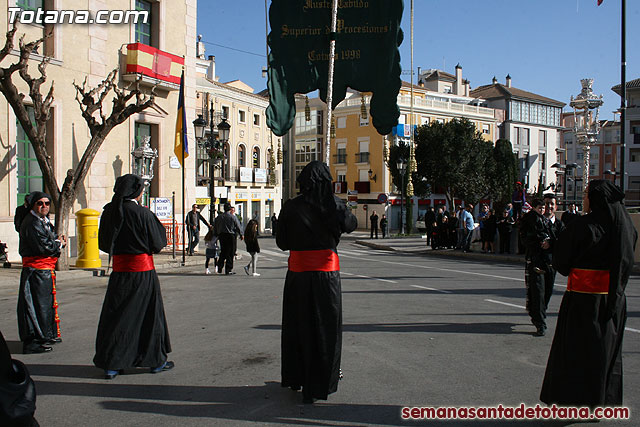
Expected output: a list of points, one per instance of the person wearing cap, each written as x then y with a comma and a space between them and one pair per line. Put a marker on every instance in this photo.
310, 227
596, 252
226, 226
132, 331
40, 248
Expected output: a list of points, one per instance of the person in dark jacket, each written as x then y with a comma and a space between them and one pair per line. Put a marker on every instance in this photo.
505, 227
596, 251
570, 214
40, 248
383, 225
132, 331
374, 224
226, 226
251, 240
310, 227
192, 222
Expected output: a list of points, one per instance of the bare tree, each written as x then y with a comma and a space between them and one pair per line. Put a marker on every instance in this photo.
91, 105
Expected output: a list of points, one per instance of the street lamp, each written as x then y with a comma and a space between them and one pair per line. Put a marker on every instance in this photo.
563, 169
611, 172
401, 164
144, 157
372, 176
214, 145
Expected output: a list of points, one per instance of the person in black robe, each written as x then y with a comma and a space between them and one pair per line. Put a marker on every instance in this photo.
40, 249
596, 252
133, 329
309, 227
17, 391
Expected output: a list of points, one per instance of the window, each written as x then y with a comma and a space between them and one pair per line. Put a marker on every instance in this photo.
341, 157
30, 4
143, 130
241, 116
29, 172
256, 157
542, 138
579, 155
634, 155
363, 155
311, 127
524, 136
486, 129
424, 120
342, 176
447, 89
543, 161
307, 150
242, 155
225, 112
256, 119
143, 30
341, 122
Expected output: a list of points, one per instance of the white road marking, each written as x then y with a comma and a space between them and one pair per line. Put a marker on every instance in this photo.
274, 253
506, 303
436, 268
431, 289
632, 330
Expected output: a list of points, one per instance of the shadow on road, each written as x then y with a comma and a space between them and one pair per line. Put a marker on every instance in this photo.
436, 327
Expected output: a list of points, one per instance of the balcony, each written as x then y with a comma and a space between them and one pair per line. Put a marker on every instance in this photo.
362, 157
340, 187
340, 159
153, 67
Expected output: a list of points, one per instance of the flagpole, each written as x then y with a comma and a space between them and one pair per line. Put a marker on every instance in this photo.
623, 93
332, 60
184, 216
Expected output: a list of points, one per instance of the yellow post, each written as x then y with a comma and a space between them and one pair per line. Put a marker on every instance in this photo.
87, 233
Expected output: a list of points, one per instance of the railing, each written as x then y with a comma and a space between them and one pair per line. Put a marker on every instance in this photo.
362, 157
339, 158
362, 186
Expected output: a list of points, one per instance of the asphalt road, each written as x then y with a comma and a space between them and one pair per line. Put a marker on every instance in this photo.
418, 331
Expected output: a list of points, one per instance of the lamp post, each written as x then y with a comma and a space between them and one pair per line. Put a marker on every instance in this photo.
563, 169
611, 172
586, 126
214, 144
401, 164
144, 157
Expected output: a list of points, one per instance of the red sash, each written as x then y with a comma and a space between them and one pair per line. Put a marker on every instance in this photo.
321, 260
588, 281
132, 263
40, 262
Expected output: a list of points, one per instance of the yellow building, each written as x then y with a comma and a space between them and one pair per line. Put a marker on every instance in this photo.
148, 52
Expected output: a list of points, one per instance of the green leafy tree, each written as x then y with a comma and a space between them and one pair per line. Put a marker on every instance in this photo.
454, 156
505, 173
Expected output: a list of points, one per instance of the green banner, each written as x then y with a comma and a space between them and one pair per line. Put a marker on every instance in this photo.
367, 59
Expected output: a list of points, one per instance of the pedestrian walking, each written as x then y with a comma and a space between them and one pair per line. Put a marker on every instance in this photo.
310, 227
383, 225
251, 240
374, 224
554, 227
212, 251
274, 224
40, 248
225, 227
596, 253
193, 226
132, 331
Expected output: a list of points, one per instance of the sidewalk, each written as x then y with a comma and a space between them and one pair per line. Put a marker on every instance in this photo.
418, 246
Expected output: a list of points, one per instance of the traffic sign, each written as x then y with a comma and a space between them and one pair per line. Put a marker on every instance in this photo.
382, 198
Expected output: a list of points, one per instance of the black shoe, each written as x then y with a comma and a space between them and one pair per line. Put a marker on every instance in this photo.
53, 340
36, 349
166, 367
230, 273
295, 387
541, 331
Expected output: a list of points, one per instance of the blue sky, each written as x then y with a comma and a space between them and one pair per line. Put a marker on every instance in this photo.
546, 46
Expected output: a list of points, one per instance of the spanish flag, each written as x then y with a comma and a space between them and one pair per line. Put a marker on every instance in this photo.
181, 148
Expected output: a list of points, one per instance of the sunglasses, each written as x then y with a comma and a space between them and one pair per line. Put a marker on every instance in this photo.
41, 203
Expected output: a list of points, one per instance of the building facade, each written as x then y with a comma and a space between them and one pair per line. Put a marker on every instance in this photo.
243, 178
150, 53
632, 142
532, 124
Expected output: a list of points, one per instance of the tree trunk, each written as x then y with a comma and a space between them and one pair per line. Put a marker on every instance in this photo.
448, 194
63, 211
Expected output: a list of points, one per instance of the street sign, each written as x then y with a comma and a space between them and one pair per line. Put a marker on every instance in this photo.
162, 207
204, 200
382, 198
365, 207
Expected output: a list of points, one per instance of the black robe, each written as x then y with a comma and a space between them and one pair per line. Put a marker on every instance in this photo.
585, 361
133, 329
36, 315
17, 391
312, 303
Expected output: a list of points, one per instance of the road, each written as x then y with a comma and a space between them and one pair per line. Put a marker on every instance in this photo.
418, 331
